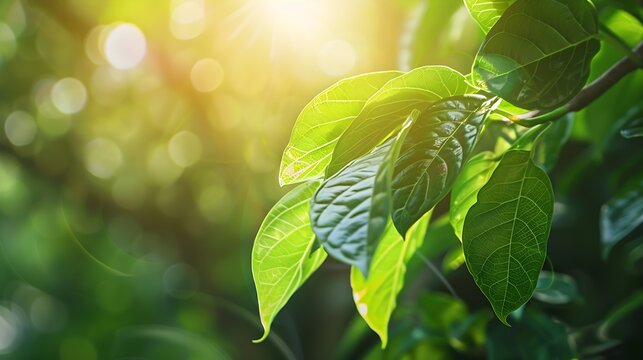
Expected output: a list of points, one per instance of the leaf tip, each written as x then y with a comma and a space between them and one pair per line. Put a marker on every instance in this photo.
263, 337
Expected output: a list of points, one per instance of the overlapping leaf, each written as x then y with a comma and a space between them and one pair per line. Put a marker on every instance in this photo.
322, 121
552, 141
388, 108
538, 53
433, 154
350, 211
487, 12
376, 296
280, 255
505, 232
474, 176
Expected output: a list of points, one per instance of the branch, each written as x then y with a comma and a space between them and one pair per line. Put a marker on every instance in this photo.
589, 93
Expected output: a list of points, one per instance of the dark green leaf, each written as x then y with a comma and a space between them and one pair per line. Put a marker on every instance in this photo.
350, 211
534, 336
322, 121
555, 288
551, 142
538, 54
487, 12
634, 128
505, 232
434, 152
622, 214
388, 108
474, 176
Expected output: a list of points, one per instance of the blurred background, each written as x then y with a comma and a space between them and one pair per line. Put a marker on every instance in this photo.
139, 150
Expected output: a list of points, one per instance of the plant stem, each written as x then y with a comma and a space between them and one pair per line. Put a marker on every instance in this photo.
589, 93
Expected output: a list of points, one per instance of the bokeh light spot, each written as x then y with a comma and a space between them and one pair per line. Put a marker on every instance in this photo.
337, 57
206, 75
125, 46
7, 42
8, 329
188, 19
69, 95
185, 148
102, 158
20, 128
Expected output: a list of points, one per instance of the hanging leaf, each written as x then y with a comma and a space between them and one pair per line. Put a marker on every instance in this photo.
437, 147
322, 121
388, 108
555, 288
622, 214
634, 128
505, 232
538, 54
280, 254
487, 12
376, 296
350, 211
474, 176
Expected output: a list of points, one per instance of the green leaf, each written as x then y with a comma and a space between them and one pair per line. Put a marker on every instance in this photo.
622, 214
534, 336
474, 176
322, 121
350, 210
505, 232
538, 54
434, 152
280, 255
551, 142
555, 288
388, 108
487, 12
634, 127
376, 296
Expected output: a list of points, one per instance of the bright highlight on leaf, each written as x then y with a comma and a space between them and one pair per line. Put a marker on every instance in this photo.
322, 121
376, 296
538, 54
487, 12
281, 259
505, 232
388, 108
466, 187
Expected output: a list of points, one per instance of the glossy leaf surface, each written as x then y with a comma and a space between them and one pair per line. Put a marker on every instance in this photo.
388, 108
505, 232
538, 54
280, 255
322, 121
433, 154
350, 211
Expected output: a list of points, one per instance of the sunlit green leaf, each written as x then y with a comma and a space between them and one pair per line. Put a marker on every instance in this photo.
376, 296
552, 141
280, 255
474, 176
622, 214
538, 54
505, 232
350, 210
555, 288
322, 121
534, 336
487, 12
434, 152
388, 108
